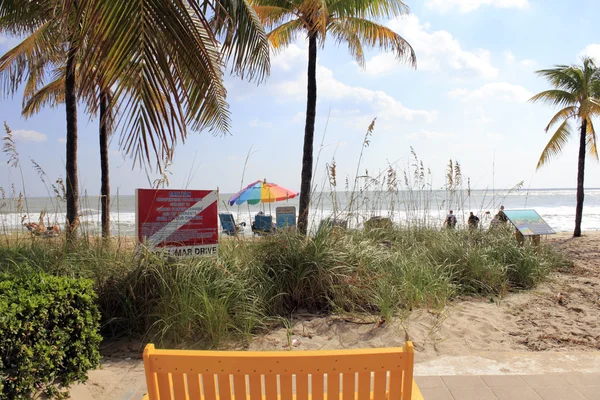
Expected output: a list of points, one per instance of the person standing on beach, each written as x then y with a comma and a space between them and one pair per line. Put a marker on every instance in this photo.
473, 221
450, 221
501, 216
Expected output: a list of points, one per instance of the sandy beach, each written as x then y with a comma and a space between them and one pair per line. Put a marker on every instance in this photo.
560, 315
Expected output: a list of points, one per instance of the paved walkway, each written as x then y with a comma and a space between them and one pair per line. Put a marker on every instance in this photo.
511, 387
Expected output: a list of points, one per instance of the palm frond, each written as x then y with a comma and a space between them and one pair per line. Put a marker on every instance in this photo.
368, 9
565, 113
342, 34
50, 95
372, 34
556, 98
556, 143
244, 39
284, 34
591, 143
271, 16
164, 64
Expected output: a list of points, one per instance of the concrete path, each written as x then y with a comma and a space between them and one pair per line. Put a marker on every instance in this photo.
511, 387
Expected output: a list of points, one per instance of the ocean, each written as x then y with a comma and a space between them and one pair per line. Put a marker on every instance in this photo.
556, 206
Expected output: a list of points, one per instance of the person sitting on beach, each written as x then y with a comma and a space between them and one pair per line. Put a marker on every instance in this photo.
473, 221
450, 221
501, 216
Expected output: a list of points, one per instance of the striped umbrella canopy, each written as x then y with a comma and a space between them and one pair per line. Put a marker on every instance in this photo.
261, 192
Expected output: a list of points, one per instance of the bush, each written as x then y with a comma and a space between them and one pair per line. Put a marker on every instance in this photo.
48, 334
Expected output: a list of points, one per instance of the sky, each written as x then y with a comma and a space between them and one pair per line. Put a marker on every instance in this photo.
466, 101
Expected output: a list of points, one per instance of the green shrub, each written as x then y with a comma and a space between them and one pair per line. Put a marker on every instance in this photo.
48, 334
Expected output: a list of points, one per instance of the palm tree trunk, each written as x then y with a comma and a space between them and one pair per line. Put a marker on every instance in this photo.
72, 194
104, 170
580, 174
309, 135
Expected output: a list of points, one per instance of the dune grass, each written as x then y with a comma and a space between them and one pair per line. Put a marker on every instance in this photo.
254, 284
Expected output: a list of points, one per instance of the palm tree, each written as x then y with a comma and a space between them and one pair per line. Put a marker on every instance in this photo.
163, 60
348, 21
52, 95
577, 90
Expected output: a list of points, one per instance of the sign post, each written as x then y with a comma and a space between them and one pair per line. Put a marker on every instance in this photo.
181, 223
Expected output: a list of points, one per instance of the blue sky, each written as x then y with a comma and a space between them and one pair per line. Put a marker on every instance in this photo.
466, 101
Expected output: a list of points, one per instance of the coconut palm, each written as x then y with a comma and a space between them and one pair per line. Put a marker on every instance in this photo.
162, 59
577, 91
52, 95
347, 21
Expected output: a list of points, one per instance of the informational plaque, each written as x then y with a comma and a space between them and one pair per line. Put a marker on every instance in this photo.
528, 222
286, 216
181, 223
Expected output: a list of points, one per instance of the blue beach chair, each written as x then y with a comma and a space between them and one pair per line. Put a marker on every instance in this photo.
263, 224
229, 226
285, 217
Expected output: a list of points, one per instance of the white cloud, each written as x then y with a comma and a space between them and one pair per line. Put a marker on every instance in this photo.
25, 135
509, 57
288, 58
593, 51
528, 63
62, 140
436, 51
257, 123
380, 103
471, 5
498, 90
427, 134
496, 136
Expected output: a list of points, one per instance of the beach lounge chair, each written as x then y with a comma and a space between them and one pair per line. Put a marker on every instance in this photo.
285, 217
229, 226
366, 374
263, 224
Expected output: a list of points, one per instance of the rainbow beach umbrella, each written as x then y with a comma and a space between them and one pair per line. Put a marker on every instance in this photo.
261, 192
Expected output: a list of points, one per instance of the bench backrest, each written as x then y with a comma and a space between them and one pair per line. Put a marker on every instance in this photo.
271, 375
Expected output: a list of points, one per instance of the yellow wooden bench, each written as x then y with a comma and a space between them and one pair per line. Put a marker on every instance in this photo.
373, 374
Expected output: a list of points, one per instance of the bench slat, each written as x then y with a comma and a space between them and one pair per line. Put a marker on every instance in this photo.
317, 389
193, 381
302, 387
285, 385
239, 386
395, 383
209, 385
247, 363
348, 385
255, 387
380, 385
333, 386
179, 386
271, 386
364, 385
164, 386
224, 387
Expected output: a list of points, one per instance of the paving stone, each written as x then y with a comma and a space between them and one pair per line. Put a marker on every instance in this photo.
495, 381
463, 382
560, 393
583, 379
429, 382
436, 394
536, 381
590, 392
473, 394
516, 393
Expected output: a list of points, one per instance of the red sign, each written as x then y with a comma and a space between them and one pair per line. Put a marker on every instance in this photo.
178, 222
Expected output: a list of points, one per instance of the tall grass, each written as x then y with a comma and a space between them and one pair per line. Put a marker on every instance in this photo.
214, 302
